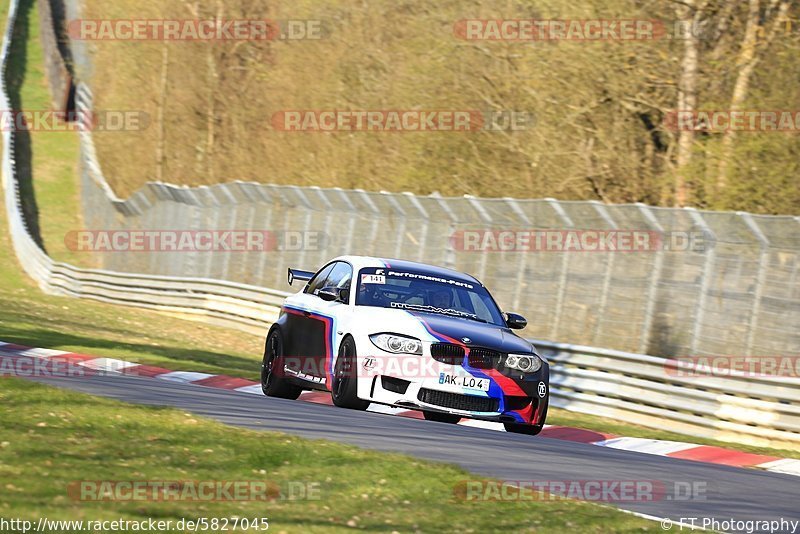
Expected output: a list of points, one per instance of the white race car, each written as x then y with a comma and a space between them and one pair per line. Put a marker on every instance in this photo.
408, 335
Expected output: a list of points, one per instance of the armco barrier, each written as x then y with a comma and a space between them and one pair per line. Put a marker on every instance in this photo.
618, 385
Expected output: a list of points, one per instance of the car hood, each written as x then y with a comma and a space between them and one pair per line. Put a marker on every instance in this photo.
479, 334
434, 328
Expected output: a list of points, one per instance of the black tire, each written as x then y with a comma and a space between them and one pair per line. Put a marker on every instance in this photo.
440, 417
345, 382
530, 430
275, 384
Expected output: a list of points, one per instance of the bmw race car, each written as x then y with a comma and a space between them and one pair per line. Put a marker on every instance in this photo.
407, 335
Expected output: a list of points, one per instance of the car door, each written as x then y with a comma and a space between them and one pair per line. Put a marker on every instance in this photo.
302, 326
330, 313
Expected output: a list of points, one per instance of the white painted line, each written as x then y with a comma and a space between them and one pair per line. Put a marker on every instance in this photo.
388, 410
647, 446
43, 353
184, 376
254, 390
489, 425
666, 523
109, 365
789, 466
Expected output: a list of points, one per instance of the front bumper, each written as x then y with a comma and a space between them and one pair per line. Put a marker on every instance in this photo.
507, 400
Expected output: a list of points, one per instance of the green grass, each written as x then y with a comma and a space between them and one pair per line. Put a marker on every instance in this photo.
52, 155
50, 438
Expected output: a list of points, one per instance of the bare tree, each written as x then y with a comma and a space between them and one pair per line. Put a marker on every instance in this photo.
749, 57
691, 16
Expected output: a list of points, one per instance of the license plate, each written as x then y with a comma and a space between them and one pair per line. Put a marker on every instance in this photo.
466, 382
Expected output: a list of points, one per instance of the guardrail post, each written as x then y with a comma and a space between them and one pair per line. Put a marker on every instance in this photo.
601, 309
308, 207
449, 254
562, 277
422, 242
523, 254
233, 208
351, 220
705, 282
475, 203
655, 277
262, 191
763, 264
332, 226
400, 218
375, 220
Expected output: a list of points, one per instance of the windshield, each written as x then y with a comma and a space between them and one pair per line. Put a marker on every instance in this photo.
414, 291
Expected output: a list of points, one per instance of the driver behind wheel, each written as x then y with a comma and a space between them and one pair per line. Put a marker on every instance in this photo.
369, 294
442, 299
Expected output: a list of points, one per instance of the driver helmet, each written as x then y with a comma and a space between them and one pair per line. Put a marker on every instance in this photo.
442, 299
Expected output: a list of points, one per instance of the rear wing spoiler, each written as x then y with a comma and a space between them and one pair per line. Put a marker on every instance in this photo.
297, 274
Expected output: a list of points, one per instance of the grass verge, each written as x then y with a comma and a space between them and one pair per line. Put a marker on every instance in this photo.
50, 438
47, 159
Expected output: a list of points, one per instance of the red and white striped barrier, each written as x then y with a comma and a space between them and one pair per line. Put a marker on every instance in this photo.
673, 449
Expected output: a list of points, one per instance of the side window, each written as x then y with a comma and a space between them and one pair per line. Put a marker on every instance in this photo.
340, 276
318, 281
480, 308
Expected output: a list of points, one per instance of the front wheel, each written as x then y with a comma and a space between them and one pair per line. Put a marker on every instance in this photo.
273, 383
530, 430
440, 417
345, 383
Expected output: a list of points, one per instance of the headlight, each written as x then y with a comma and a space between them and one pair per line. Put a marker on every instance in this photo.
527, 363
396, 343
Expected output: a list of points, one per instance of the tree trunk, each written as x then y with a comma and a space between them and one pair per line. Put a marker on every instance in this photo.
747, 61
687, 97
160, 154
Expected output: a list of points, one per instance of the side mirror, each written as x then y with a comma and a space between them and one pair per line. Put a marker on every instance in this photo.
516, 321
331, 294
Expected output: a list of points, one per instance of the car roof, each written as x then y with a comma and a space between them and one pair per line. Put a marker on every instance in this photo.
359, 262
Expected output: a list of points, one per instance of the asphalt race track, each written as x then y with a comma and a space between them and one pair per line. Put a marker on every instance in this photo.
731, 493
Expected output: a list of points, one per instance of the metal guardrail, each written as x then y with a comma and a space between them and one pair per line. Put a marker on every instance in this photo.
619, 385
658, 393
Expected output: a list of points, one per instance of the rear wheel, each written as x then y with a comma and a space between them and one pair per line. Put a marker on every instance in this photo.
530, 430
345, 383
440, 417
273, 383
